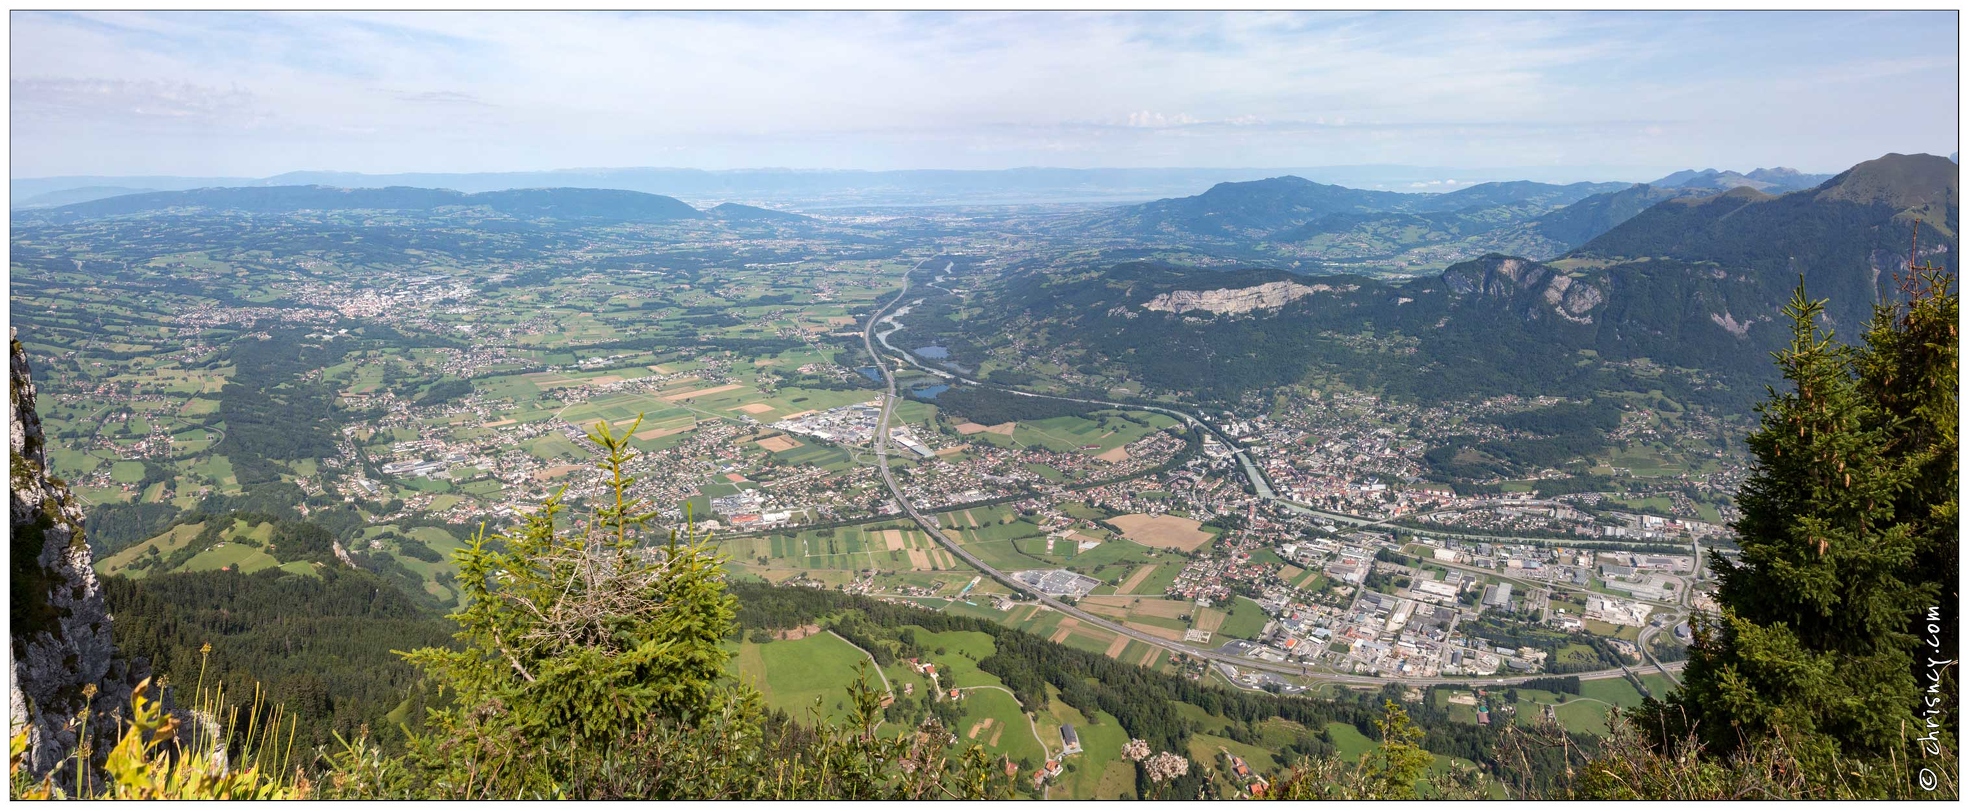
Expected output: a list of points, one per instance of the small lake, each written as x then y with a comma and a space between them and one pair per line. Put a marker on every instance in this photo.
932, 352
931, 392
871, 373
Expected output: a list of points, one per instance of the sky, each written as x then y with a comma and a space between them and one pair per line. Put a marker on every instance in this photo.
256, 94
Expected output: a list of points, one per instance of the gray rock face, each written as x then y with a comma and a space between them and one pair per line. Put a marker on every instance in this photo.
1495, 276
59, 626
1526, 285
1572, 301
1730, 324
1237, 300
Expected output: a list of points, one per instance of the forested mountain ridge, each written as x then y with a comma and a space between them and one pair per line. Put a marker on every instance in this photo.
1256, 207
320, 645
1317, 225
1346, 230
1513, 192
1580, 222
1691, 282
1845, 237
1292, 208
556, 203
1775, 180
83, 194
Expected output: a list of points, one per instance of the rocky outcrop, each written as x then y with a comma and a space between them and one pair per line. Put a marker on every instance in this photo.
1238, 300
1730, 324
59, 626
1530, 288
1495, 276
1572, 299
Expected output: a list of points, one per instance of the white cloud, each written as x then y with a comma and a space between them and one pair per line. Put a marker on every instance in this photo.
125, 100
471, 91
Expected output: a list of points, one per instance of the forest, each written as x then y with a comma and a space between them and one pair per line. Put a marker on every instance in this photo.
322, 646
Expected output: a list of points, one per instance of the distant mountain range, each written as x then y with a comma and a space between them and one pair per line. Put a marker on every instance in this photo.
1688, 281
1284, 207
1351, 230
824, 188
559, 204
806, 188
79, 194
1338, 228
1576, 224
1291, 220
1775, 180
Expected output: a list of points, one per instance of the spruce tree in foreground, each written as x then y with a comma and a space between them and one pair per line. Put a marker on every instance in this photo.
1848, 536
593, 667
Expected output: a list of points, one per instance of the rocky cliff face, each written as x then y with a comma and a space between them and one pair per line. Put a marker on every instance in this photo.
59, 625
1533, 289
1235, 301
1572, 299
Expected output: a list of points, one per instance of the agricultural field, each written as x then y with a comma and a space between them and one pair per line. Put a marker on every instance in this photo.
1586, 713
517, 360
420, 559
1102, 434
1245, 619
993, 719
899, 557
1091, 774
794, 674
1163, 531
1012, 546
1154, 615
1658, 685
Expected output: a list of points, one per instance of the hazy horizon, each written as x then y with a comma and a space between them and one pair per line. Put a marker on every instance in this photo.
1593, 96
1584, 173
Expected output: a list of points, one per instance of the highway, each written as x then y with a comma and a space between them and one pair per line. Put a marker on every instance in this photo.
930, 525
